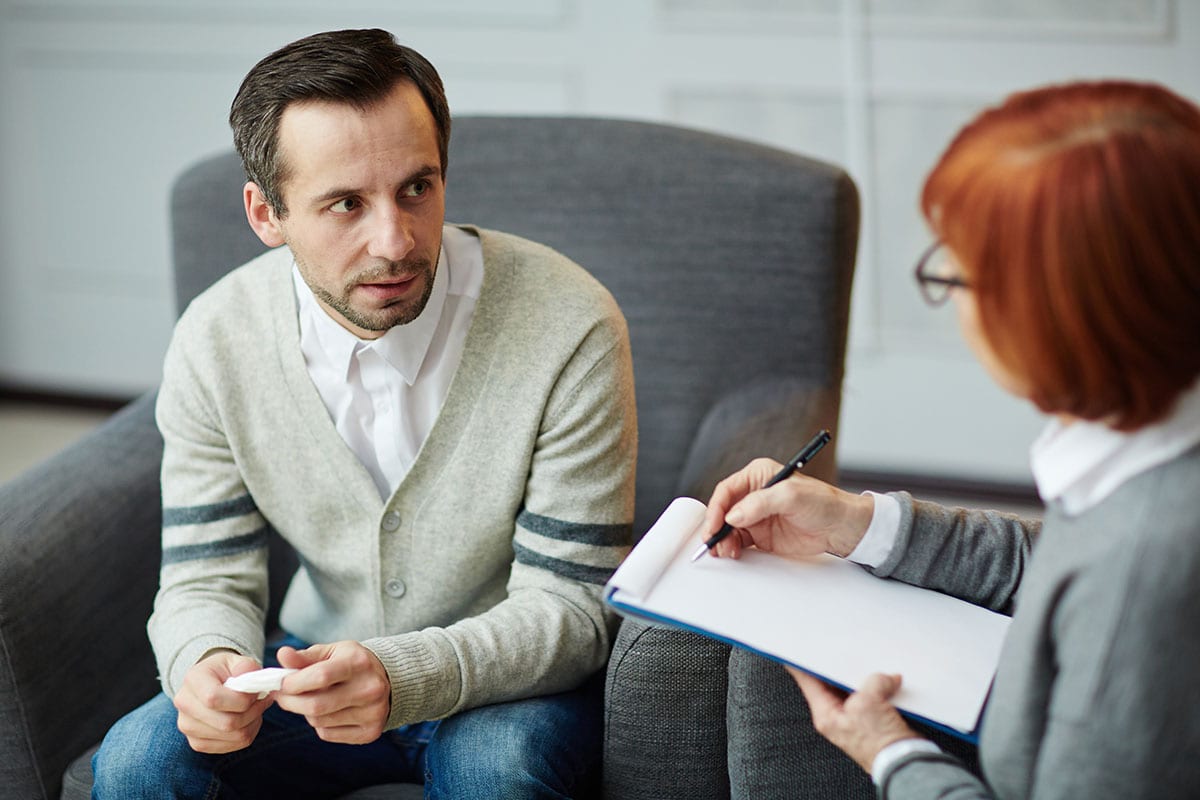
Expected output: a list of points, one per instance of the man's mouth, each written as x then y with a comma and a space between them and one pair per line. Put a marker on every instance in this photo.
388, 288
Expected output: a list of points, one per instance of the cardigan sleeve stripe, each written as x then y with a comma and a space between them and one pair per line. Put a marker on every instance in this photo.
576, 553
567, 569
217, 549
214, 512
581, 532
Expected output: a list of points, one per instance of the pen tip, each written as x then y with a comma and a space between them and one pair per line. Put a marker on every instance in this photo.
700, 551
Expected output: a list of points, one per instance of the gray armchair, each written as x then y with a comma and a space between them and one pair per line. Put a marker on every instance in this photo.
732, 263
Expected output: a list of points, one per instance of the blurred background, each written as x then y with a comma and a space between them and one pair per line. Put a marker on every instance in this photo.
104, 102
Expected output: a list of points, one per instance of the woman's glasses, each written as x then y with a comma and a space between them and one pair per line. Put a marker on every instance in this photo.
936, 274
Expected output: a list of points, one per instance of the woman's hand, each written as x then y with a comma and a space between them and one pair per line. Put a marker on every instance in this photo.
797, 517
862, 723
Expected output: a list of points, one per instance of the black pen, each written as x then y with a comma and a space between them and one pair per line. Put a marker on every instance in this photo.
799, 460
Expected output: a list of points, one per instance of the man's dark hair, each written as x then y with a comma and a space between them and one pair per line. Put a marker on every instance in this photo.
355, 67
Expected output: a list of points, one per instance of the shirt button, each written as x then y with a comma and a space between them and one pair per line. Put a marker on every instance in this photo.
395, 587
391, 520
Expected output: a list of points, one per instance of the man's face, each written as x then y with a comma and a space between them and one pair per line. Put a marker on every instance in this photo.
365, 205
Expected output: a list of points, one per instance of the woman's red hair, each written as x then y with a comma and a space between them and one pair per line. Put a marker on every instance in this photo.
1074, 213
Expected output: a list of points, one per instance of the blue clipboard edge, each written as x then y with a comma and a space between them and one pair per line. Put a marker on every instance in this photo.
625, 609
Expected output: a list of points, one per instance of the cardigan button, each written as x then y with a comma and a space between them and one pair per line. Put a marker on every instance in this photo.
395, 588
391, 520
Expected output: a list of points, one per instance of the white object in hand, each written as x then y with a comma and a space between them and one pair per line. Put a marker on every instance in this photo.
261, 681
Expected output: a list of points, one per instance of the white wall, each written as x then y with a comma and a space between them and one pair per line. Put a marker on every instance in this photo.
103, 102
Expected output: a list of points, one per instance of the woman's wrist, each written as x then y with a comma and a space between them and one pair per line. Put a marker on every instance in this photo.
887, 757
859, 509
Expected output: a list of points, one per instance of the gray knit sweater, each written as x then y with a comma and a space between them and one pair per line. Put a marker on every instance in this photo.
479, 579
1098, 689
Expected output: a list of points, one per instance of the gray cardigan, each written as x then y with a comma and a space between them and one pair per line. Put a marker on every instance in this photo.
479, 579
1098, 689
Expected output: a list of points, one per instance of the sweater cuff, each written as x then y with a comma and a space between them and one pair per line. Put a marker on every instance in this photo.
192, 652
888, 757
425, 675
903, 503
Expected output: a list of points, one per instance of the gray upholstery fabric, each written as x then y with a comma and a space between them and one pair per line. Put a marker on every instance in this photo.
732, 263
78, 569
722, 722
774, 751
209, 232
687, 717
769, 417
664, 719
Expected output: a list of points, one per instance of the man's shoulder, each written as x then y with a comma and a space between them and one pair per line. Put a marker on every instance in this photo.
239, 309
538, 276
239, 292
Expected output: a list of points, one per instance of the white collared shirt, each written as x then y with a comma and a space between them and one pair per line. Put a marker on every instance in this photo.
1079, 465
384, 395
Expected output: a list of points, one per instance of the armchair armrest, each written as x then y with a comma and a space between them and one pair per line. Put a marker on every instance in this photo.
664, 715
671, 716
771, 417
79, 560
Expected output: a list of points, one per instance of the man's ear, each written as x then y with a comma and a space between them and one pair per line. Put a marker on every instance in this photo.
261, 216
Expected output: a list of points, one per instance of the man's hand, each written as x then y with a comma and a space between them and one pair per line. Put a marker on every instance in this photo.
341, 689
797, 517
861, 724
215, 719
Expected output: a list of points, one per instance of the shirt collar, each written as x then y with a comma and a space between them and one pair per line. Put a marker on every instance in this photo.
404, 347
1080, 464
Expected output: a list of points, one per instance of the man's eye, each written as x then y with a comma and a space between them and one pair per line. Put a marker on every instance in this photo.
345, 206
416, 189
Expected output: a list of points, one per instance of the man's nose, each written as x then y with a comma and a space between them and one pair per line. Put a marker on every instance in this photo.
391, 234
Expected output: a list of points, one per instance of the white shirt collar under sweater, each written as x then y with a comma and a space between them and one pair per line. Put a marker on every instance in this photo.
403, 347
1080, 464
1074, 465
384, 395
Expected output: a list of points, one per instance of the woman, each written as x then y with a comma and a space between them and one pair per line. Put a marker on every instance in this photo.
1067, 223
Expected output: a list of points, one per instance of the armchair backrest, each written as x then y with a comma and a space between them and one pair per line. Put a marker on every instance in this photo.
731, 261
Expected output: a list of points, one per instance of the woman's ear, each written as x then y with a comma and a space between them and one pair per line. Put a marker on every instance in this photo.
261, 216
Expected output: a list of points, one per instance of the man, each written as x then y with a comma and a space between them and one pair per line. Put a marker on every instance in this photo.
439, 419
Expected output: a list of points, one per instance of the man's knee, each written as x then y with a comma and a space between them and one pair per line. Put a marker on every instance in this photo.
541, 747
145, 755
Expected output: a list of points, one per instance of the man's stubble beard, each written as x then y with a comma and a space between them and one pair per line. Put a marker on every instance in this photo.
401, 312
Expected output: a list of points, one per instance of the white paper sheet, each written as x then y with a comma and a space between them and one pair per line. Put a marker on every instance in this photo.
825, 615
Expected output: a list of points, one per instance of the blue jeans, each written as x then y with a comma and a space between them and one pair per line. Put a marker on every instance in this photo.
543, 747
